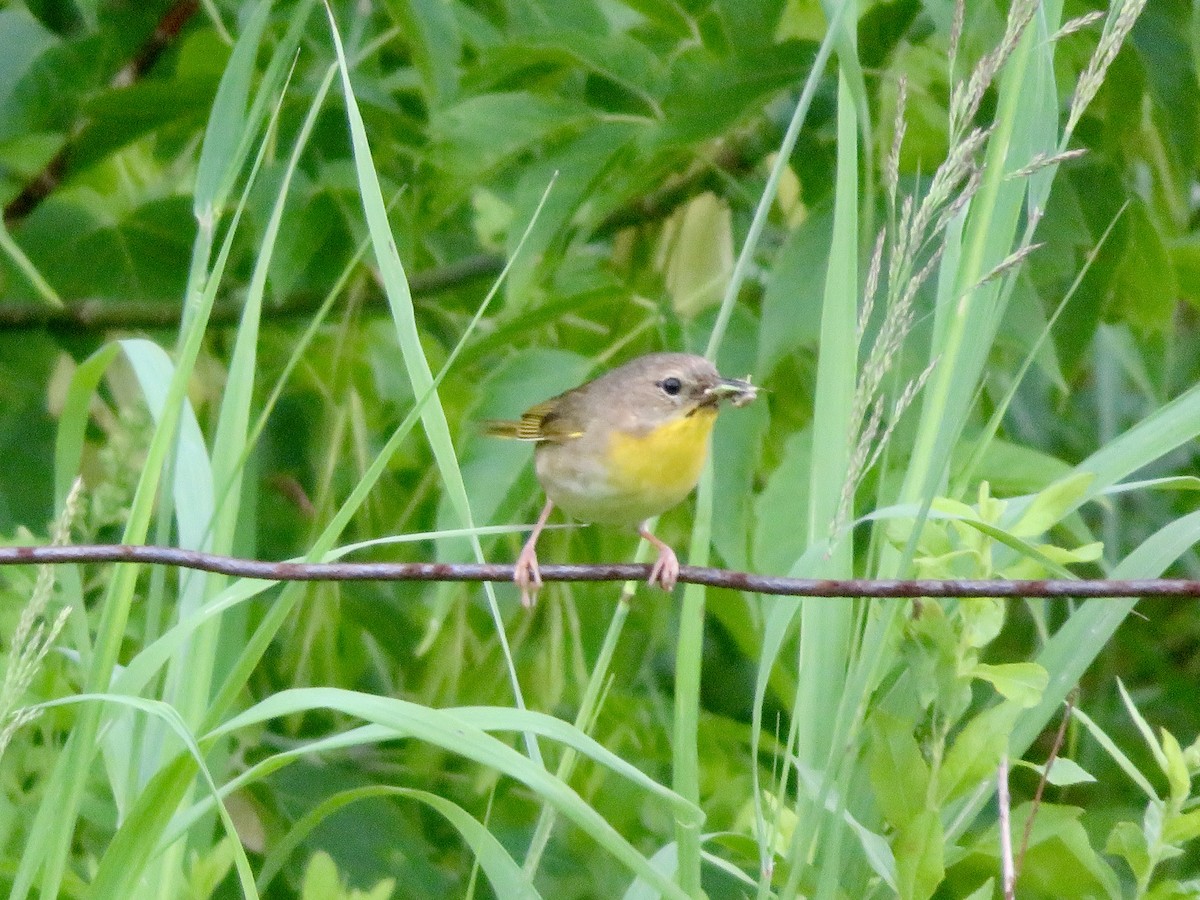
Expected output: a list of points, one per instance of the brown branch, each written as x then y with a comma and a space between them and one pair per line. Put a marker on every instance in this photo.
98, 315
1059, 738
723, 578
46, 181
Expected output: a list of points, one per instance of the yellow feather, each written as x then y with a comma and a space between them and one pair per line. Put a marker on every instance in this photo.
665, 463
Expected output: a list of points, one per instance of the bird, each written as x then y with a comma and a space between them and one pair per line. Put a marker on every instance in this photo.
623, 448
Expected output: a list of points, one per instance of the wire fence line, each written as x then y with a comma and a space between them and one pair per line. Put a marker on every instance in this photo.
712, 577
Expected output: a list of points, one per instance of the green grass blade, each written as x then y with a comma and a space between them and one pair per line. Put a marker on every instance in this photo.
505, 875
433, 416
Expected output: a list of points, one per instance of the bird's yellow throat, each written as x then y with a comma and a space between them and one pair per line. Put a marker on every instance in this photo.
666, 461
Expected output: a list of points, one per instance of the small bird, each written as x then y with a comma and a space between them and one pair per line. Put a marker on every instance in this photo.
623, 448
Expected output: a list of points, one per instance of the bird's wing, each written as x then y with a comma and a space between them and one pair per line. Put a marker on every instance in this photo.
547, 421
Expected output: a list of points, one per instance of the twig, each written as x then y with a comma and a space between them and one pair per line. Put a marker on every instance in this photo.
1059, 737
99, 315
1007, 870
723, 578
50, 177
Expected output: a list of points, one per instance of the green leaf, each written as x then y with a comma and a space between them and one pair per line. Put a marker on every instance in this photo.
228, 122
1185, 257
920, 866
1180, 829
1064, 773
780, 518
1145, 288
321, 879
982, 617
120, 116
1012, 469
1178, 776
618, 59
983, 892
1050, 505
1022, 682
480, 134
576, 171
1118, 756
709, 93
791, 313
899, 773
976, 751
22, 41
433, 38
1171, 889
1143, 726
142, 253
698, 240
464, 731
1060, 862
1127, 841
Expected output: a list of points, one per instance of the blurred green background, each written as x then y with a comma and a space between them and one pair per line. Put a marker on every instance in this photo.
164, 183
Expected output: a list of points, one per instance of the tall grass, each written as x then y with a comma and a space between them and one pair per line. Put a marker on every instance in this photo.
852, 830
876, 728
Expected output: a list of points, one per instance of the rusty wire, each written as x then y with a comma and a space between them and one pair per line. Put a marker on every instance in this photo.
712, 577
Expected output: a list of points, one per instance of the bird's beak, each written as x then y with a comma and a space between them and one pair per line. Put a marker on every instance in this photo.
735, 390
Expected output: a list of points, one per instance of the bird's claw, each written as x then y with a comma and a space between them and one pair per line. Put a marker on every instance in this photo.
527, 575
665, 571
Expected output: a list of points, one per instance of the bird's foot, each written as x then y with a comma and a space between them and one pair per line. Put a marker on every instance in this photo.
665, 571
527, 576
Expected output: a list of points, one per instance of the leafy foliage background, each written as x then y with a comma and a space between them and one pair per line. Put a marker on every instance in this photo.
654, 125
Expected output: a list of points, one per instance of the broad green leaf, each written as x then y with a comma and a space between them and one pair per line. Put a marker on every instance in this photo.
983, 892
708, 94
975, 752
574, 173
1051, 505
1013, 469
483, 133
1127, 841
1060, 861
780, 532
983, 617
1021, 682
918, 849
899, 773
432, 34
792, 300
141, 253
636, 73
1145, 285
1181, 828
120, 116
698, 250
22, 39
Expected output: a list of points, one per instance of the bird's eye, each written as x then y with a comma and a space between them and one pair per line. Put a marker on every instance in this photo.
671, 386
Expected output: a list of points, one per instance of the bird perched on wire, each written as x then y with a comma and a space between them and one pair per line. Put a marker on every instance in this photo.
623, 448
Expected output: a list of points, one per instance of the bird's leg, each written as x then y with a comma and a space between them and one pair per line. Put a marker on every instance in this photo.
665, 570
526, 575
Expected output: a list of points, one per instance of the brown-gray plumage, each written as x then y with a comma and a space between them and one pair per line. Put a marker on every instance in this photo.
623, 447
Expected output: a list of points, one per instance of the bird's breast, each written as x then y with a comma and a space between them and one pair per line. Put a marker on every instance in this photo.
628, 477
